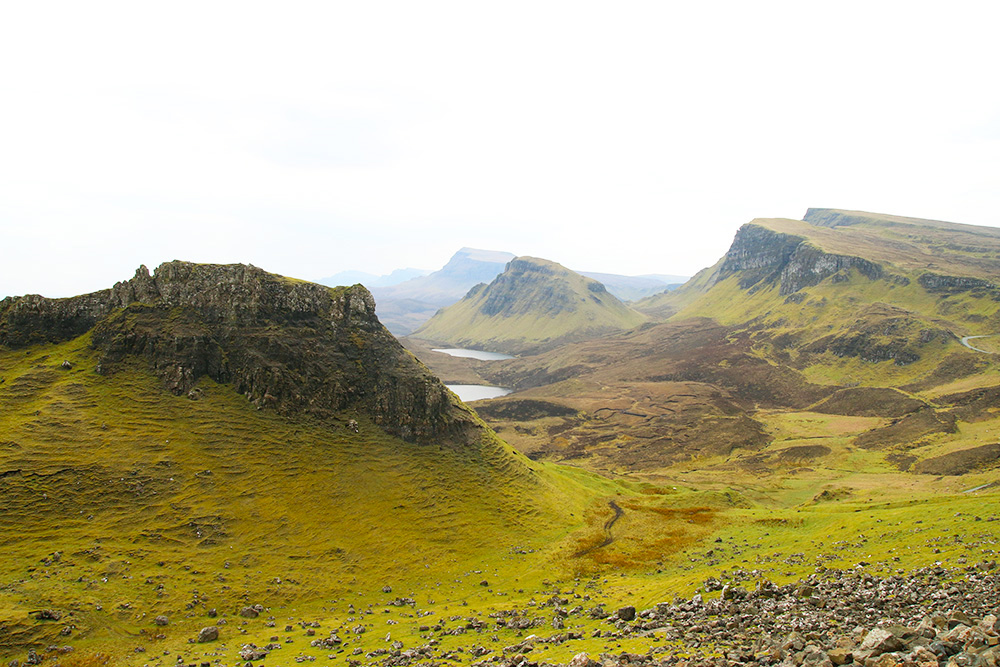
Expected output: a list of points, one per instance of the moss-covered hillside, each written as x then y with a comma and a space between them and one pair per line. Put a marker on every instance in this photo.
534, 305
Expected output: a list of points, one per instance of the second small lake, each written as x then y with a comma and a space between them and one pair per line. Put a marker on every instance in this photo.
475, 354
477, 392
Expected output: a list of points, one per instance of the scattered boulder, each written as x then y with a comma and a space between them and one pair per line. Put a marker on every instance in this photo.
880, 641
626, 614
209, 634
252, 611
583, 660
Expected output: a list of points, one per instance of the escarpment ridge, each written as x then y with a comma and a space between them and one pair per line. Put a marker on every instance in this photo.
288, 345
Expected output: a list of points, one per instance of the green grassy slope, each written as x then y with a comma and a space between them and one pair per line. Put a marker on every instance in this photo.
534, 305
159, 504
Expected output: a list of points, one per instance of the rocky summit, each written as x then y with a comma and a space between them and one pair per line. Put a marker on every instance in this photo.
287, 345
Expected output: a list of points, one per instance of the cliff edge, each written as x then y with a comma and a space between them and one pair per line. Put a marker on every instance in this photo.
287, 345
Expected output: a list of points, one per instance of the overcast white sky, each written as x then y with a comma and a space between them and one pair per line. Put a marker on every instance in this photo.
624, 137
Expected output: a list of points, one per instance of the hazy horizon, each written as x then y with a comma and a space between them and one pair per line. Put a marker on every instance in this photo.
326, 137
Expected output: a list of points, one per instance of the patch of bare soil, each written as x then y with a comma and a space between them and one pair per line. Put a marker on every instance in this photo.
952, 367
514, 409
960, 462
641, 426
975, 405
910, 430
767, 462
869, 402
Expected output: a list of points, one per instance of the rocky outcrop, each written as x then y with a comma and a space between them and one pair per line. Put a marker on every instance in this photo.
287, 345
762, 256
951, 284
758, 254
808, 265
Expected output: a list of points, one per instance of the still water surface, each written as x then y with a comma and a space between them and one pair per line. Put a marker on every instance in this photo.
475, 392
475, 354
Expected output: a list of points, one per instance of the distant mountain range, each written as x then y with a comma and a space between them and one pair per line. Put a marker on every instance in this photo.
633, 288
406, 298
370, 280
405, 306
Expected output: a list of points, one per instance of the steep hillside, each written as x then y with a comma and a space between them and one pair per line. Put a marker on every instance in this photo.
829, 246
854, 315
405, 306
533, 305
212, 437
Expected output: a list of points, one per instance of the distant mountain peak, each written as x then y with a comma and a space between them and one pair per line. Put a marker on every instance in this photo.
406, 306
535, 304
480, 255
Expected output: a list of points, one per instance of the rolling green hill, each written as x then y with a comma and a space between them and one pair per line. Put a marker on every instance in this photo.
213, 437
533, 305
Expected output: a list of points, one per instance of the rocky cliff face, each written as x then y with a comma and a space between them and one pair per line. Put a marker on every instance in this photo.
528, 285
287, 345
758, 253
808, 265
762, 256
953, 284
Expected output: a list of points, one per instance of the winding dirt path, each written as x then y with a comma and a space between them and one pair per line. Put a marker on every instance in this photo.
608, 537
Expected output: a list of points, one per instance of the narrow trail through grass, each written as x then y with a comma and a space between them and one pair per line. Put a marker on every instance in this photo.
608, 536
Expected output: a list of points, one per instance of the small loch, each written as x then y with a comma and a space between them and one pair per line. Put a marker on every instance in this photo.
477, 392
474, 354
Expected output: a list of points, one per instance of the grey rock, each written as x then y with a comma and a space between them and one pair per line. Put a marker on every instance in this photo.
626, 613
582, 660
879, 641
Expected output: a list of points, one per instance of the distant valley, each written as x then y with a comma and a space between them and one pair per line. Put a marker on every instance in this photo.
849, 317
